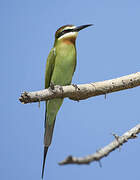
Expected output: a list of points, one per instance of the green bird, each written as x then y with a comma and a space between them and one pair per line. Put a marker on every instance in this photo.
60, 67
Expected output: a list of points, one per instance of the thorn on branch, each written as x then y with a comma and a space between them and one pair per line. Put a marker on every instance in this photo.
134, 136
117, 139
100, 164
76, 89
39, 104
115, 136
98, 160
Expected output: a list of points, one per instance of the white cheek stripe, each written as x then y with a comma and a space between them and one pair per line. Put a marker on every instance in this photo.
70, 34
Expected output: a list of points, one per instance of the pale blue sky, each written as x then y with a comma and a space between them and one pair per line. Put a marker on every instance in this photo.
108, 50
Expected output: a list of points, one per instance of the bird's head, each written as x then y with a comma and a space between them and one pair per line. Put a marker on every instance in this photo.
69, 32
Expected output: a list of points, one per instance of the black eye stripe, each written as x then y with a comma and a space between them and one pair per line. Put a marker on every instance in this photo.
64, 32
68, 30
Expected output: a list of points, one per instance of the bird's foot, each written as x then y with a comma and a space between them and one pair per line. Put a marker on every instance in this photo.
76, 87
52, 85
51, 88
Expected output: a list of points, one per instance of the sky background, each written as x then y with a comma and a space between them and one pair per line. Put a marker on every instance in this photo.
108, 50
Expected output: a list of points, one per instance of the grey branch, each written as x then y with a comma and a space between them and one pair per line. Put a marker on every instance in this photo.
83, 91
103, 152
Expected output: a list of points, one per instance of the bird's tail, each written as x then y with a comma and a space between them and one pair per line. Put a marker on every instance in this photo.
47, 140
44, 159
52, 108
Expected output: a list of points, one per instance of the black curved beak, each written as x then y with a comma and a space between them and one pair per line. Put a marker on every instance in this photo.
79, 28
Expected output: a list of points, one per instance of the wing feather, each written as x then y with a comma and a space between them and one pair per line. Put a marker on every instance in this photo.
48, 73
49, 67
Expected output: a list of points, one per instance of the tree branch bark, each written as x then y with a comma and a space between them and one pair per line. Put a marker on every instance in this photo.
103, 152
83, 91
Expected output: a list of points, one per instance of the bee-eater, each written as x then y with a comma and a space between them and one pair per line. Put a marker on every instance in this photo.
60, 67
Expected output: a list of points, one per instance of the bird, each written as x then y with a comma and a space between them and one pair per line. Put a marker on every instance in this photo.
60, 67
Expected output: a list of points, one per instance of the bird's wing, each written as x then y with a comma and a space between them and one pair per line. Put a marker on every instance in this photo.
49, 67
48, 73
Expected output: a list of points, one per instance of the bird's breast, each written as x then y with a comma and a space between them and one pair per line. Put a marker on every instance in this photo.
65, 63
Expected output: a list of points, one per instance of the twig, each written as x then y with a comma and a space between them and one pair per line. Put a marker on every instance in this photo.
103, 152
84, 90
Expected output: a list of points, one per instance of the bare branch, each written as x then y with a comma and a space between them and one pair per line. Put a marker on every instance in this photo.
103, 152
83, 91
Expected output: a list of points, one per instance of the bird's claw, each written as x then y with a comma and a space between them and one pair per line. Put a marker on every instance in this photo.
76, 87
51, 88
52, 85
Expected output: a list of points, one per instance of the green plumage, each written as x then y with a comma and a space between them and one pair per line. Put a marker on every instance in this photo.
60, 67
59, 71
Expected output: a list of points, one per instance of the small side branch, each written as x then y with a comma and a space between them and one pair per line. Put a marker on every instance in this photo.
103, 152
83, 91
